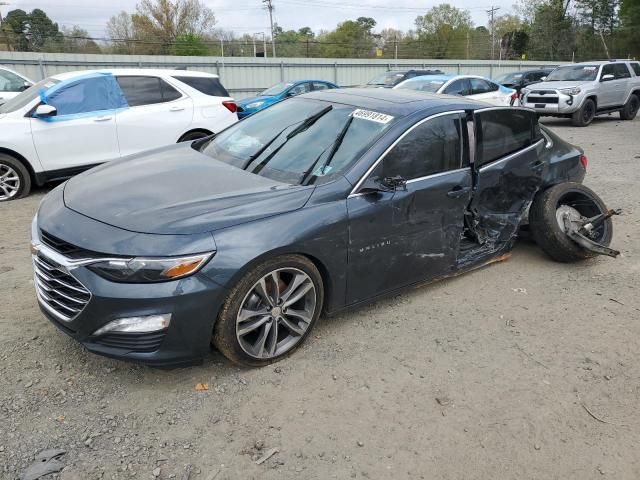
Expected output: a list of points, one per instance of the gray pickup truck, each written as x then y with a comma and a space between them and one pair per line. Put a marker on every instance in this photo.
581, 91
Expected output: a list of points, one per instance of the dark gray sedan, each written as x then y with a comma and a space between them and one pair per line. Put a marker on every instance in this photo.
313, 205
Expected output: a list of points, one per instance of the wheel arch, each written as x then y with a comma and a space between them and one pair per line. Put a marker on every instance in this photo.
23, 161
207, 132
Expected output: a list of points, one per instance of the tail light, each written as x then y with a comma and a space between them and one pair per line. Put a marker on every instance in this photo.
583, 162
231, 106
514, 97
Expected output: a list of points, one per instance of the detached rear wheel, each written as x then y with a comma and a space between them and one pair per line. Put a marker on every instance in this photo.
585, 115
270, 311
546, 219
15, 181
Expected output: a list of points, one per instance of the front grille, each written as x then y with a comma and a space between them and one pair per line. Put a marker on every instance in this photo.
543, 92
60, 246
58, 291
133, 342
531, 99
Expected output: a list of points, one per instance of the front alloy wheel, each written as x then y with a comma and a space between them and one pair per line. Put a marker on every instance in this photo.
270, 312
9, 182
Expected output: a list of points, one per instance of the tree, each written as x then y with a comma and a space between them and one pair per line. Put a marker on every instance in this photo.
31, 32
166, 20
158, 24
445, 30
76, 40
350, 39
189, 44
551, 35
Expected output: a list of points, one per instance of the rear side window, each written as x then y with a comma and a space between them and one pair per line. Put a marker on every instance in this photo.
433, 147
620, 70
10, 82
320, 86
636, 68
207, 85
147, 90
503, 132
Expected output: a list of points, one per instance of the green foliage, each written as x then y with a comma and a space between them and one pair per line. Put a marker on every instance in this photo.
445, 28
31, 32
352, 39
189, 44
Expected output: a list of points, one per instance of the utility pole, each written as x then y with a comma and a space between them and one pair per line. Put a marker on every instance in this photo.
270, 7
491, 14
2, 4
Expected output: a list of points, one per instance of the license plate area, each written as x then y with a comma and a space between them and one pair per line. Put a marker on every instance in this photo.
541, 105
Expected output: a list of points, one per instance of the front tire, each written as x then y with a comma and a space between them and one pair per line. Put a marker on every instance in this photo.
15, 181
631, 108
270, 312
585, 115
545, 219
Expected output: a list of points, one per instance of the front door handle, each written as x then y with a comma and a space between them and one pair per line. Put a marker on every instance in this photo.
104, 118
176, 109
458, 191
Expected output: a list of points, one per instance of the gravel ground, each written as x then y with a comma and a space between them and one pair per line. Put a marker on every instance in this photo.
523, 369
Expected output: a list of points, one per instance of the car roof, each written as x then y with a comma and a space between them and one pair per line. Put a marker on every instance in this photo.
595, 62
153, 72
394, 102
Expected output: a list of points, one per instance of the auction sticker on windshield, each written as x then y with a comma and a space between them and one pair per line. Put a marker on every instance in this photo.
372, 116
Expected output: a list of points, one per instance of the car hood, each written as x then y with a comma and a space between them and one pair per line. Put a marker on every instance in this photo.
246, 101
178, 190
555, 85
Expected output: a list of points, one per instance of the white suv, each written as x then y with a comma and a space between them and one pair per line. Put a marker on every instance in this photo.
70, 122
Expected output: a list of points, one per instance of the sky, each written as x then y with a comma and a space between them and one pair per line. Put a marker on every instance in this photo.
249, 16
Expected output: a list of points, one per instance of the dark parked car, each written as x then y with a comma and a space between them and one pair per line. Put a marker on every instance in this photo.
392, 78
519, 80
319, 203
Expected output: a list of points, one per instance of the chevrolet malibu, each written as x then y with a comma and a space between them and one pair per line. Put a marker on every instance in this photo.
316, 204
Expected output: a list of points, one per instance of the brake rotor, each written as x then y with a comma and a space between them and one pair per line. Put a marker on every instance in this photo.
574, 217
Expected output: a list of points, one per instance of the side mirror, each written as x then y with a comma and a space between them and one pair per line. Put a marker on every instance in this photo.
387, 184
607, 78
25, 86
45, 111
542, 79
290, 94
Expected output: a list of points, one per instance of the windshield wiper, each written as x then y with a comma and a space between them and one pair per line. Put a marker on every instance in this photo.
306, 124
336, 145
263, 148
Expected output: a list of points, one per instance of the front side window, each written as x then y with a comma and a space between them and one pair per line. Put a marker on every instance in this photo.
459, 87
479, 86
422, 85
299, 141
140, 90
93, 94
320, 86
10, 82
435, 146
502, 132
300, 89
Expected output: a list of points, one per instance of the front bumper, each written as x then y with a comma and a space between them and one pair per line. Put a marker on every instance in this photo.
79, 302
551, 102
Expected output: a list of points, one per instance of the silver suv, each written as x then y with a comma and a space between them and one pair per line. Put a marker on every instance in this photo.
581, 91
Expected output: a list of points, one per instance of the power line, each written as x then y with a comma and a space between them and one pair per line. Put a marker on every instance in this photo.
270, 7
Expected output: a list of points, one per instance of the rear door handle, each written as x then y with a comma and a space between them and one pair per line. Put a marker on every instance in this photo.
103, 118
176, 109
458, 191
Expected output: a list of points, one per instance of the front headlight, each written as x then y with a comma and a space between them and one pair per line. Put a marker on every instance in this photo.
150, 270
570, 91
254, 105
524, 91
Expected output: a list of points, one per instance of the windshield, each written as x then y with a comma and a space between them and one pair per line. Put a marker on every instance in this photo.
389, 79
277, 89
26, 97
299, 141
586, 73
509, 78
431, 86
